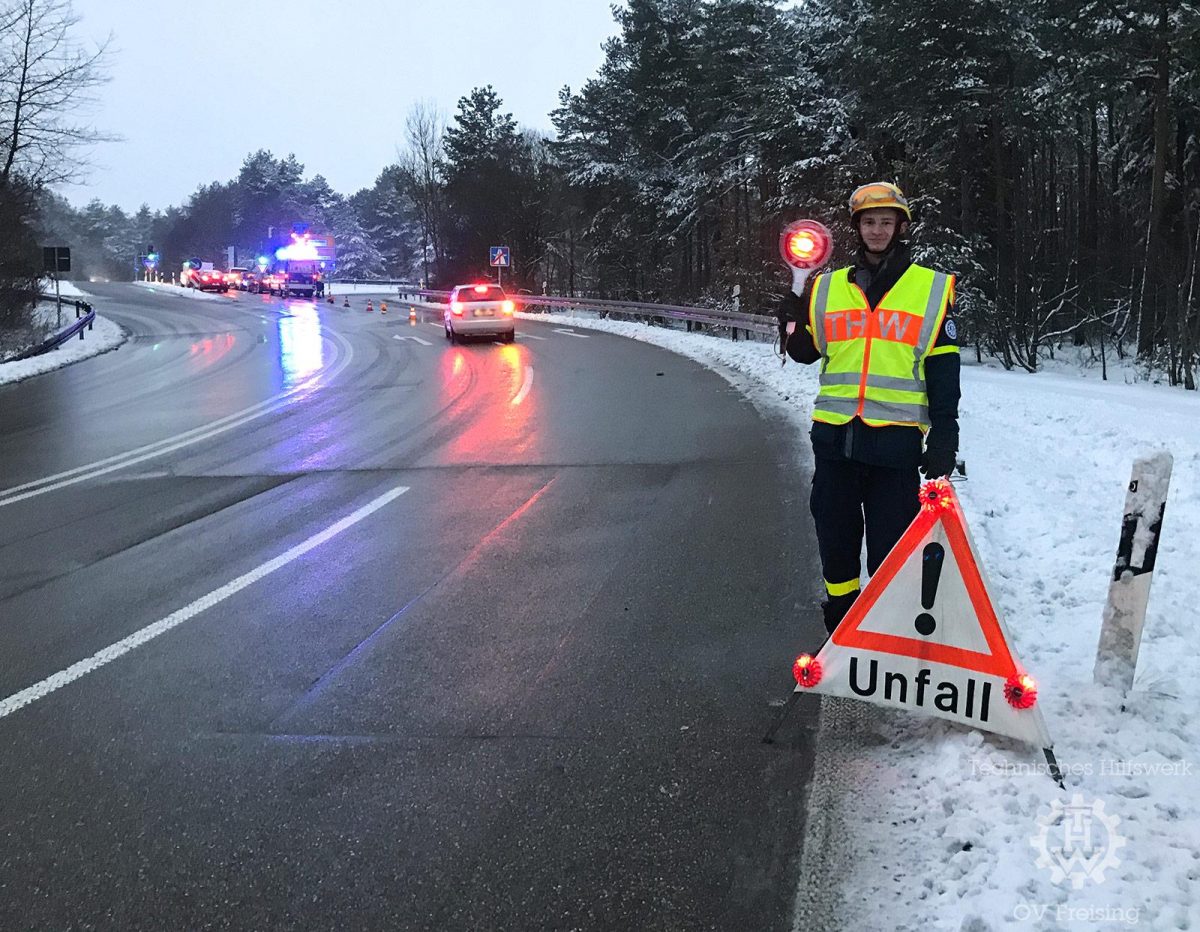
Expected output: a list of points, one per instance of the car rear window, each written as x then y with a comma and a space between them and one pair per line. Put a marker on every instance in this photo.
481, 293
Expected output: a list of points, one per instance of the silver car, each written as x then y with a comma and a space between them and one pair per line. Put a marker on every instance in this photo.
479, 310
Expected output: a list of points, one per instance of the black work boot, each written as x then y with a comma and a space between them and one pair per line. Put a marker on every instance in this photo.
835, 609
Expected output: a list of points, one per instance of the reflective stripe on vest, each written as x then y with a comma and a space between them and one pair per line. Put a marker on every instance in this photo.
873, 364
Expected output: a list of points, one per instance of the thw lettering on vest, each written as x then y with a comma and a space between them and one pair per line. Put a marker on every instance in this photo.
880, 324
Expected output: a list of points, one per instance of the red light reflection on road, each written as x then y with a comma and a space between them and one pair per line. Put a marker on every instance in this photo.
495, 429
210, 350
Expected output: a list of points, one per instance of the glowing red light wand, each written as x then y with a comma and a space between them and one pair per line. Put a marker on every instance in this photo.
805, 245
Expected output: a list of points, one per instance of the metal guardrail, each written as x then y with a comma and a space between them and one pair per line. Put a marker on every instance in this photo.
85, 316
371, 281
763, 324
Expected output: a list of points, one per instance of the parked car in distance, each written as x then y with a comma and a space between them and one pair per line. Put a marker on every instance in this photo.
207, 280
235, 277
479, 310
199, 274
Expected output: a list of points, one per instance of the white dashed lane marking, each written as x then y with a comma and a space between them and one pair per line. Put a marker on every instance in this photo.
106, 656
526, 385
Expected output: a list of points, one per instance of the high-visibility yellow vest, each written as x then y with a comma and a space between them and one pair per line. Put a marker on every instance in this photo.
873, 361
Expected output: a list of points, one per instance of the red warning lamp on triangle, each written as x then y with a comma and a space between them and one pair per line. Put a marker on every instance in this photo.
805, 244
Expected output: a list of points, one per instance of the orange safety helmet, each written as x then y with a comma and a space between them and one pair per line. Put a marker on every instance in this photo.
878, 194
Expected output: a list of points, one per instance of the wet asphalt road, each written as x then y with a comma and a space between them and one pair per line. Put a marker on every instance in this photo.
525, 691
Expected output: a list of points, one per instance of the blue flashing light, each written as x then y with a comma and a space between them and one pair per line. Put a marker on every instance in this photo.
302, 250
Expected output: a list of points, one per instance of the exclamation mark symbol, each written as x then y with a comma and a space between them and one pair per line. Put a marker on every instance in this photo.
931, 571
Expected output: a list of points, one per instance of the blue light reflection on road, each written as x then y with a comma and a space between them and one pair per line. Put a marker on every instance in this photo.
301, 347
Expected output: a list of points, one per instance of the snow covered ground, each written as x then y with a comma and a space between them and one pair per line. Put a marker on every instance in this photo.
937, 824
195, 293
65, 289
365, 288
104, 336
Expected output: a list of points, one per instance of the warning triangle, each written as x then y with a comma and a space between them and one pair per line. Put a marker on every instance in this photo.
928, 601
924, 634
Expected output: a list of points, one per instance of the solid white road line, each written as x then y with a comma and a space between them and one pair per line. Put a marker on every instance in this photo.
138, 638
415, 339
525, 386
170, 444
570, 333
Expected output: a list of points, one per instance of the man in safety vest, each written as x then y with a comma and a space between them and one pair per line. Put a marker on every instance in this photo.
884, 332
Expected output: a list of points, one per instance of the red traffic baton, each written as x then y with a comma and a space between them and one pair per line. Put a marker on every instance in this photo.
805, 244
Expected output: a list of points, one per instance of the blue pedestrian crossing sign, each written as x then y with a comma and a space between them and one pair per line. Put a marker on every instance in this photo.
499, 256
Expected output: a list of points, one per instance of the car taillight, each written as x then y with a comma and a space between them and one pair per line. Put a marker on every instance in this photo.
509, 307
456, 308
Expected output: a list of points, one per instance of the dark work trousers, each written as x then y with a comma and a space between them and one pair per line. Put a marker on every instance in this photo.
845, 494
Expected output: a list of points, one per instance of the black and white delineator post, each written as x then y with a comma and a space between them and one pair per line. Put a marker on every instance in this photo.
1129, 589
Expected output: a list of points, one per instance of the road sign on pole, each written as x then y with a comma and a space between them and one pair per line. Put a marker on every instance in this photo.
56, 259
499, 257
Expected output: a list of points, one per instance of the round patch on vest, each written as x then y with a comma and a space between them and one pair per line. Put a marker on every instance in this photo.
951, 329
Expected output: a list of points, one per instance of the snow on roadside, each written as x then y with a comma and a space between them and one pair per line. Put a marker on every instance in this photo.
196, 293
366, 288
65, 289
104, 336
943, 827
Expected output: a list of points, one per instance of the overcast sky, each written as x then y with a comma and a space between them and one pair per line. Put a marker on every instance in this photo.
197, 86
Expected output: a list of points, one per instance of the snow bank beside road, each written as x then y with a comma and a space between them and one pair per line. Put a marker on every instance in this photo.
65, 289
104, 336
942, 825
197, 294
366, 288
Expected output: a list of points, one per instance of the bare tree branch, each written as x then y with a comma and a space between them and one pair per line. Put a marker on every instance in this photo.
45, 77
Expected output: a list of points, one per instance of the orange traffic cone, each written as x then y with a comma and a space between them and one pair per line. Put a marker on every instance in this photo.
329, 297
382, 307
346, 301
369, 307
412, 313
